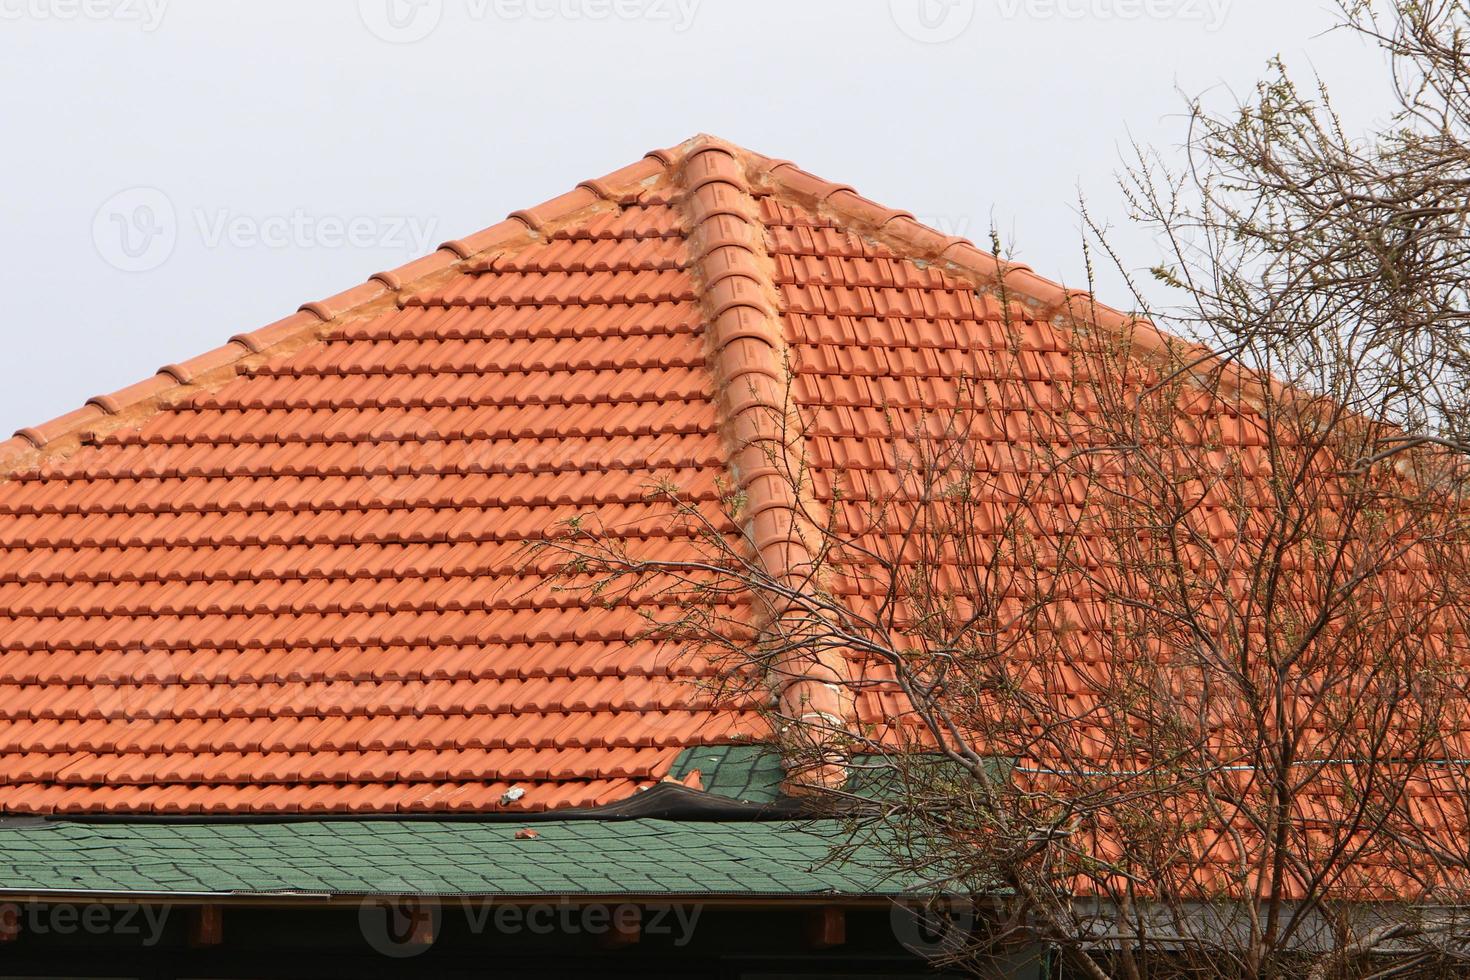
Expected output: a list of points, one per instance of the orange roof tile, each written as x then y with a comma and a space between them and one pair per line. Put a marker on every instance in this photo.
286, 575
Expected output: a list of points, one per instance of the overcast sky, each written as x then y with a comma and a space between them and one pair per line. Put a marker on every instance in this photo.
177, 171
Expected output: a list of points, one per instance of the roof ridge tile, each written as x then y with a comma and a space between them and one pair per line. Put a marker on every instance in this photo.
750, 361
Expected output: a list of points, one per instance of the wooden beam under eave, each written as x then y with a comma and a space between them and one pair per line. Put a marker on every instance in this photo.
206, 926
826, 928
422, 922
625, 929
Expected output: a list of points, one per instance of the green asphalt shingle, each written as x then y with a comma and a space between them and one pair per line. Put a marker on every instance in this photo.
748, 773
753, 773
567, 858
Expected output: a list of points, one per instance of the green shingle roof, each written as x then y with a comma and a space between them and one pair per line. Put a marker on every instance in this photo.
398, 857
748, 773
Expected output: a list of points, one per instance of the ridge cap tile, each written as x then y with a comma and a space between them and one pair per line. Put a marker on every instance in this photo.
751, 363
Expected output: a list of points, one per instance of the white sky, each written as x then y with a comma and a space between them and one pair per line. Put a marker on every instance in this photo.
236, 143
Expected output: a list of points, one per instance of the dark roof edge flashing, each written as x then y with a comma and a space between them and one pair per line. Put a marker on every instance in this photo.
663, 801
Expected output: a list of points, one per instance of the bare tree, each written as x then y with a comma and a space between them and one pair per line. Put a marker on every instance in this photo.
1161, 659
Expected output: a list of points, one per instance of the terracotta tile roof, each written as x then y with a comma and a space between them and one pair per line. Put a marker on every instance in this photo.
288, 576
